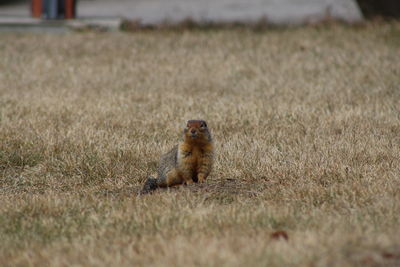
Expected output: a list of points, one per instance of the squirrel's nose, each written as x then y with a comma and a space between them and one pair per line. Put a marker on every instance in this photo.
193, 131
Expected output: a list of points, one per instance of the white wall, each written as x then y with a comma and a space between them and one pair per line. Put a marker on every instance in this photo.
276, 11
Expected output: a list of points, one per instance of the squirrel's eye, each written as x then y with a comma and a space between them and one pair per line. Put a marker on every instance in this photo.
203, 124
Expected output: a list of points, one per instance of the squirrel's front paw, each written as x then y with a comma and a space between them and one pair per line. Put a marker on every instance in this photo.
201, 178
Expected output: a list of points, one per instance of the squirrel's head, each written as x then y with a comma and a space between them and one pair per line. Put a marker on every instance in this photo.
196, 130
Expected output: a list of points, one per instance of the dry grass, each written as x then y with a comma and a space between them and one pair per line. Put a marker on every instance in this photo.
307, 128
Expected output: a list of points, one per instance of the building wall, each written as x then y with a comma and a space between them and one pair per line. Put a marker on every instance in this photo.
275, 11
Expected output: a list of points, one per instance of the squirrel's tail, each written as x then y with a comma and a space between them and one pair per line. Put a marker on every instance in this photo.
150, 185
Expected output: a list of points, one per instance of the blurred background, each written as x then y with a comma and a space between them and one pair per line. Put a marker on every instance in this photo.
125, 14
157, 11
383, 8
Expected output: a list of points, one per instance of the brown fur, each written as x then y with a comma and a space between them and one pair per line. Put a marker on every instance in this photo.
189, 162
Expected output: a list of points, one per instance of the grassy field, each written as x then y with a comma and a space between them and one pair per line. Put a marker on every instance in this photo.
306, 122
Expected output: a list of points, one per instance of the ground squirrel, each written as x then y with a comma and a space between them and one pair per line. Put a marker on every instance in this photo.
190, 161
